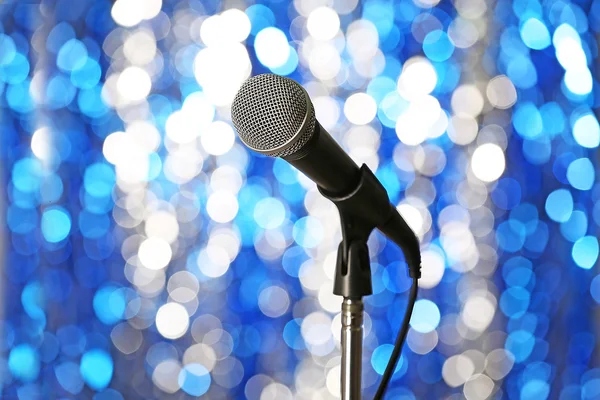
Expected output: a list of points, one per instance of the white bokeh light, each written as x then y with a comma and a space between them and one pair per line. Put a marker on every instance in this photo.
41, 144
478, 312
222, 206
432, 275
418, 78
155, 253
218, 138
423, 119
569, 52
273, 301
166, 376
127, 13
360, 108
272, 48
179, 129
327, 111
172, 320
333, 381
213, 31
488, 162
220, 70
276, 391
144, 135
324, 61
134, 168
150, 8
232, 25
162, 225
134, 84
213, 261
467, 99
501, 92
140, 47
323, 23
362, 40
316, 328
457, 370
413, 217
238, 23
579, 80
478, 387
183, 164
462, 129
199, 109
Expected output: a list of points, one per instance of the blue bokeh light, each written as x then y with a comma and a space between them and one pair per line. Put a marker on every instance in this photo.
585, 252
581, 174
535, 390
87, 75
96, 369
8, 50
26, 174
80, 201
72, 55
426, 316
260, 17
269, 213
55, 224
109, 304
520, 343
514, 302
575, 227
535, 34
308, 232
380, 358
16, 70
24, 363
559, 205
437, 46
194, 379
528, 120
67, 374
586, 131
99, 180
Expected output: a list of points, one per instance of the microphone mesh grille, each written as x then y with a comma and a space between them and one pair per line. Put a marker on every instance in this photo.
268, 111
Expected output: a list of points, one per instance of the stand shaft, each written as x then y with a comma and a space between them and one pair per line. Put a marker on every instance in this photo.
352, 336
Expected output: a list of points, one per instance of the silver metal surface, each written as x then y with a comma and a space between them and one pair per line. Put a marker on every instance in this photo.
352, 337
273, 115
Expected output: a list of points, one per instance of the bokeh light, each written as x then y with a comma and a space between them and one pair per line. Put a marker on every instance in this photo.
146, 253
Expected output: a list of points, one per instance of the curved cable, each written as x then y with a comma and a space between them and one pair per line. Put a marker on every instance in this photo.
391, 366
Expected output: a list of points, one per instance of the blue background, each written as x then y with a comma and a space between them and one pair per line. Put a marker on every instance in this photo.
146, 253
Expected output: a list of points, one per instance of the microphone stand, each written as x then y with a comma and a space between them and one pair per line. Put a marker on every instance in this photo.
352, 335
361, 211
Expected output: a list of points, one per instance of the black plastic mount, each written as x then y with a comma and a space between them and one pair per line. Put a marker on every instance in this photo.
361, 211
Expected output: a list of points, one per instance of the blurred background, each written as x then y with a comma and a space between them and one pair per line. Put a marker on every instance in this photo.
147, 254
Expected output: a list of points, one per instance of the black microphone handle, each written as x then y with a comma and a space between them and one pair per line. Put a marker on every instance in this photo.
326, 163
331, 168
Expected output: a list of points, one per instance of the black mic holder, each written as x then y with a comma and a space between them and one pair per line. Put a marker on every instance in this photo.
361, 211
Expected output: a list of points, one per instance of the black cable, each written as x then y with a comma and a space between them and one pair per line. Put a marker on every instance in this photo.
389, 370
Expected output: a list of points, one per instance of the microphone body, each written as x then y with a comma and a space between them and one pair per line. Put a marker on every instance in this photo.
326, 163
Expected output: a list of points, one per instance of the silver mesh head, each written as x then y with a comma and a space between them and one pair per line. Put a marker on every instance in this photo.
273, 115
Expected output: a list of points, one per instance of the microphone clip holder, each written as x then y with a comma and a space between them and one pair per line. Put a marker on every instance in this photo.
361, 211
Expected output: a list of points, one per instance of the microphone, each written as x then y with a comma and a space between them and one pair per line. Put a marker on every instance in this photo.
274, 116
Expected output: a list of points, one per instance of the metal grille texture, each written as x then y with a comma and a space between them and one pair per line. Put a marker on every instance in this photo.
268, 111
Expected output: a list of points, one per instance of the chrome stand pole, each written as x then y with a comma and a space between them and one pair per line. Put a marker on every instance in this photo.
352, 337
